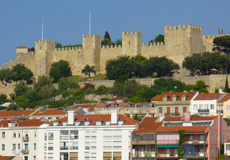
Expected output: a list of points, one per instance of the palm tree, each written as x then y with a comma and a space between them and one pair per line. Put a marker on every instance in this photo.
88, 70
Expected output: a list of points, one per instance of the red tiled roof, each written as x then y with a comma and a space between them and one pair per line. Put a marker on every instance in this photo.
98, 117
155, 97
16, 113
167, 129
4, 123
148, 125
208, 96
50, 112
179, 95
226, 97
5, 157
31, 122
22, 46
192, 118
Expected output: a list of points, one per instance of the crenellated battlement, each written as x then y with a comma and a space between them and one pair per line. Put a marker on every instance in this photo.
184, 26
91, 36
9, 64
209, 38
125, 33
153, 44
111, 46
68, 49
45, 41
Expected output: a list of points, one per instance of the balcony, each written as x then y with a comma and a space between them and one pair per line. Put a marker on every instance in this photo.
172, 114
75, 137
25, 139
221, 111
25, 151
73, 147
196, 154
63, 147
143, 139
64, 137
194, 142
172, 141
203, 110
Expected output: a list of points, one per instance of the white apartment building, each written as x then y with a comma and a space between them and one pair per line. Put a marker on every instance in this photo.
205, 104
89, 137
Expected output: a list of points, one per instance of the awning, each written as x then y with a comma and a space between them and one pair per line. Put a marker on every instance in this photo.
167, 146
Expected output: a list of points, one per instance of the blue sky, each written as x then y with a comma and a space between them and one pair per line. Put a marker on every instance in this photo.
66, 21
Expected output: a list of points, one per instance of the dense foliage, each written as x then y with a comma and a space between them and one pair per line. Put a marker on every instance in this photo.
207, 62
108, 41
222, 44
60, 69
158, 38
59, 45
87, 70
139, 66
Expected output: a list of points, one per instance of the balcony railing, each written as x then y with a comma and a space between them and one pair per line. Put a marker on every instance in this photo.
64, 137
25, 151
221, 111
74, 137
172, 114
167, 141
167, 155
73, 147
197, 154
63, 147
203, 110
25, 139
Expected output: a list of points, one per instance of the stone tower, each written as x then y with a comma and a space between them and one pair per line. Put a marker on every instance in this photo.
182, 41
131, 43
92, 49
44, 50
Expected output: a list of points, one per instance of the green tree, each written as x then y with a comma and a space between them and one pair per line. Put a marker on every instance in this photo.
88, 70
222, 44
159, 38
180, 142
226, 88
222, 157
42, 81
200, 86
20, 89
118, 42
107, 40
67, 83
168, 84
22, 73
60, 69
6, 76
3, 98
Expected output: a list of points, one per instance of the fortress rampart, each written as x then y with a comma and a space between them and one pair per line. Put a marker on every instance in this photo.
180, 41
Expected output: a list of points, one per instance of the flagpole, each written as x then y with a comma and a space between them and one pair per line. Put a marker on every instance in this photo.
89, 22
42, 28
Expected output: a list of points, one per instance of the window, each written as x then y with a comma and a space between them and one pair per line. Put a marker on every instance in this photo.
165, 98
190, 137
174, 98
160, 110
211, 150
228, 107
35, 146
142, 151
18, 145
216, 137
50, 136
206, 106
3, 147
212, 136
87, 145
26, 158
3, 135
200, 106
201, 137
34, 157
153, 151
14, 135
184, 109
183, 98
35, 134
175, 151
212, 106
216, 151
19, 135
195, 106
14, 146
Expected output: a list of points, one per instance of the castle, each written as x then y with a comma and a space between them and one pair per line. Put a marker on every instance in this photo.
180, 41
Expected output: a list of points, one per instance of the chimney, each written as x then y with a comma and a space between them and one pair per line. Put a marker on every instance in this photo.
137, 126
114, 117
187, 116
71, 117
131, 114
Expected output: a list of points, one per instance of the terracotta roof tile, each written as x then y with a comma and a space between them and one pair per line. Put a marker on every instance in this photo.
227, 97
16, 113
6, 157
31, 122
208, 96
155, 97
148, 125
22, 46
167, 129
179, 95
98, 117
50, 112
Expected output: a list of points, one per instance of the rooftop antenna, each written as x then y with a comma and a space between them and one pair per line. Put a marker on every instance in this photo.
89, 22
42, 28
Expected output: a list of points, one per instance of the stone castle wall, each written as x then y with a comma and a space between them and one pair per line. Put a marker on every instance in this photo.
180, 41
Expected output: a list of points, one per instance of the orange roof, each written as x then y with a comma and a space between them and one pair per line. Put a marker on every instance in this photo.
31, 122
4, 123
192, 118
155, 97
226, 97
90, 106
175, 129
6, 157
98, 117
208, 96
16, 113
22, 46
228, 141
148, 125
179, 95
50, 112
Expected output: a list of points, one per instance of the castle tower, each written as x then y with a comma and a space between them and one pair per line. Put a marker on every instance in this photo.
182, 41
92, 48
131, 43
43, 56
21, 50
